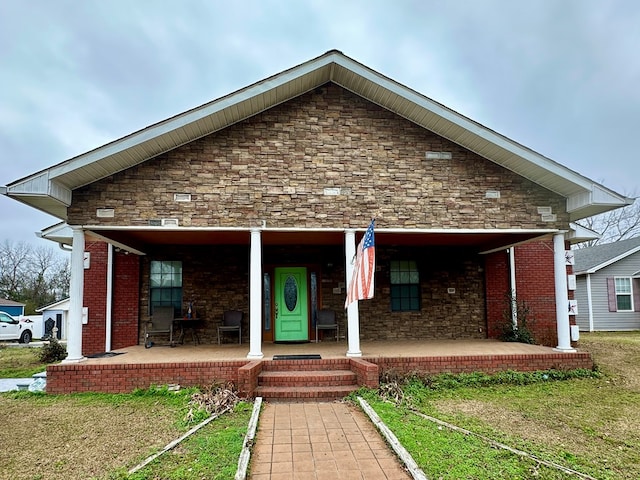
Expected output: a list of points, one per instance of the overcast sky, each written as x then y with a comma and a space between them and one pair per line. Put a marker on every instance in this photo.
559, 76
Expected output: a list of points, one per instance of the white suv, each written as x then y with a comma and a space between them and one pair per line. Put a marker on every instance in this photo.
14, 329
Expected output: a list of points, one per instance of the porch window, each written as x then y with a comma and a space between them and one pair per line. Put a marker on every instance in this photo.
405, 286
165, 280
624, 300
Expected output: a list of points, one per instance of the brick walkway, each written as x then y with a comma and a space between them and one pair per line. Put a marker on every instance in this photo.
317, 441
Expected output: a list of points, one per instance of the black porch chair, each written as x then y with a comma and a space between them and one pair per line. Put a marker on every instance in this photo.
327, 321
231, 322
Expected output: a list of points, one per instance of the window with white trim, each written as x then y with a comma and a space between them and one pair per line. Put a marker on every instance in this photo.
165, 280
624, 294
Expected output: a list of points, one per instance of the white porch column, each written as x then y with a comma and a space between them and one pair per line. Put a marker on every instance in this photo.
76, 298
109, 299
255, 296
512, 277
353, 315
562, 307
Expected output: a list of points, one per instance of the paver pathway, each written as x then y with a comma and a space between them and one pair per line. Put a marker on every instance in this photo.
317, 441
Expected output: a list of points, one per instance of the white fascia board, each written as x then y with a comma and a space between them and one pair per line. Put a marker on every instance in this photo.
597, 195
61, 230
459, 231
578, 233
40, 184
55, 306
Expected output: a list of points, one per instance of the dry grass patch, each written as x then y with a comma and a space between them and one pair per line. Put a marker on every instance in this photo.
81, 436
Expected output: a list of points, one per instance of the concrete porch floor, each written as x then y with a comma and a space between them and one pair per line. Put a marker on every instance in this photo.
392, 348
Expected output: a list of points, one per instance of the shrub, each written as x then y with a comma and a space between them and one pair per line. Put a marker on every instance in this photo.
52, 352
519, 332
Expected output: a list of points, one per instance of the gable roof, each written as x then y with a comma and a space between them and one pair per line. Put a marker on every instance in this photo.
50, 189
592, 259
59, 305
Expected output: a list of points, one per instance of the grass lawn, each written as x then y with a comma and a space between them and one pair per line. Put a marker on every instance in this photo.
591, 425
101, 436
20, 362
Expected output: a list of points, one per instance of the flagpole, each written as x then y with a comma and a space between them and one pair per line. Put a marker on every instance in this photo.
353, 319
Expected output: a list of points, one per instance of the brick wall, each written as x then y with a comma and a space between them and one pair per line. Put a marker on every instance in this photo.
123, 378
125, 295
534, 285
483, 363
276, 165
125, 310
95, 298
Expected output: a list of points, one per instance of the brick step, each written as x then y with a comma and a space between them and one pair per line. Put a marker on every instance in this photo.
301, 394
303, 365
307, 378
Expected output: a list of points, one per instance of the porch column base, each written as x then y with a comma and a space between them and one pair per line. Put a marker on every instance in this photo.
74, 360
255, 356
354, 354
565, 350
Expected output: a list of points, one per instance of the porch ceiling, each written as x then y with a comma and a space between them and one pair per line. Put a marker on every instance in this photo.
144, 239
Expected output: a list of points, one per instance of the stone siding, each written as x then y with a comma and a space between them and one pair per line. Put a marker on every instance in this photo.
215, 278
276, 165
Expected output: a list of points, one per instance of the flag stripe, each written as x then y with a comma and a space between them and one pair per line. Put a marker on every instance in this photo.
361, 286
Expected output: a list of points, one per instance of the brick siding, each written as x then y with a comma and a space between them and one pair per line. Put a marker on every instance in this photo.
122, 378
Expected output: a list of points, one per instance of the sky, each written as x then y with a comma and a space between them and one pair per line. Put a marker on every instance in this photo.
561, 77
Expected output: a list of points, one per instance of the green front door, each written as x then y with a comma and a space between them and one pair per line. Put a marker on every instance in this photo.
291, 309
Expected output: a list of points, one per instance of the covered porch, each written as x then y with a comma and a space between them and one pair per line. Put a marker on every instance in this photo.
238, 268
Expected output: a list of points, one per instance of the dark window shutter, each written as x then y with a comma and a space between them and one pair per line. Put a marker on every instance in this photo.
636, 293
611, 294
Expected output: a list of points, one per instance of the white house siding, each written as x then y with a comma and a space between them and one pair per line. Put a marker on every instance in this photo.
603, 319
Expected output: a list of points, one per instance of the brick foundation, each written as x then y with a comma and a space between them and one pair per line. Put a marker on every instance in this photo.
122, 378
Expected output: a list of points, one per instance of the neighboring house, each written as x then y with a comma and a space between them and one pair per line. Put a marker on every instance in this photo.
15, 309
256, 202
608, 286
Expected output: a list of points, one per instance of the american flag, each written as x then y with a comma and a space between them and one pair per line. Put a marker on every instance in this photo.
361, 285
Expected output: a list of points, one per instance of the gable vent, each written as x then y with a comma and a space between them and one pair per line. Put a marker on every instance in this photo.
438, 155
181, 197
